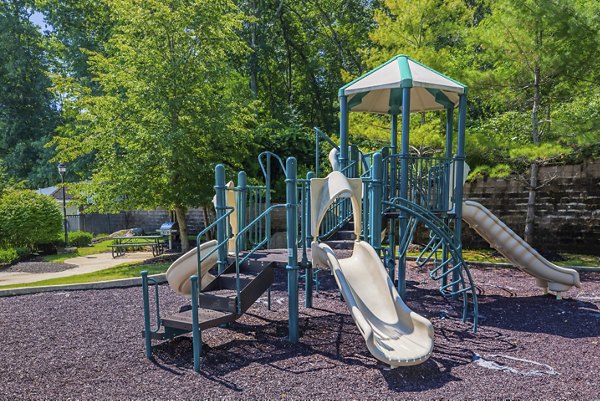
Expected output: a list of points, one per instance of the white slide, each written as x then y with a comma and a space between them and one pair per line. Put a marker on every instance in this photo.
548, 276
393, 333
179, 273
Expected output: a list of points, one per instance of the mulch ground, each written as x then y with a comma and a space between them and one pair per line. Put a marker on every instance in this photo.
88, 345
37, 265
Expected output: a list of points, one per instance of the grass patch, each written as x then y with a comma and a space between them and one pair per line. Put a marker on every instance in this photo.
491, 256
99, 247
128, 270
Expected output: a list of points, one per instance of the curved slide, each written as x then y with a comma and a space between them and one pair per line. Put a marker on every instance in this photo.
393, 333
548, 276
179, 273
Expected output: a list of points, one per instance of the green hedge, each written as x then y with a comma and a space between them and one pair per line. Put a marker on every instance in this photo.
8, 255
28, 219
80, 238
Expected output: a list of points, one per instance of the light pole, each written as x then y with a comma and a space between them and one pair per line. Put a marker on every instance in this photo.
62, 169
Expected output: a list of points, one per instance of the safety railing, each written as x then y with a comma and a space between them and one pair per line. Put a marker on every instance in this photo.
450, 269
428, 178
223, 243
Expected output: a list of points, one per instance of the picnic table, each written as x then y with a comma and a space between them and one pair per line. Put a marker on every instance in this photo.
121, 244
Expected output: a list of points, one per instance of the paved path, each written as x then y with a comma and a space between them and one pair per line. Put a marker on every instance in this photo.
85, 264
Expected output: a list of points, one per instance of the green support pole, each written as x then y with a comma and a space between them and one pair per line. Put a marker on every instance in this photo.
308, 282
343, 132
354, 158
458, 176
268, 201
394, 151
196, 335
147, 333
221, 209
404, 185
292, 245
447, 188
375, 213
240, 205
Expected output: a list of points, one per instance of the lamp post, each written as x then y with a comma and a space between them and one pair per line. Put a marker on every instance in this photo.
62, 169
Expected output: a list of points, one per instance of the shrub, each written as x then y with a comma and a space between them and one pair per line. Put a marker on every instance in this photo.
27, 219
8, 255
80, 238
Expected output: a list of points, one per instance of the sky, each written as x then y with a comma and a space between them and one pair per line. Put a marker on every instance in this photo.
38, 19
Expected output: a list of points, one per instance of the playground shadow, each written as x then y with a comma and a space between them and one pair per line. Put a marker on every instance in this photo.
329, 341
569, 318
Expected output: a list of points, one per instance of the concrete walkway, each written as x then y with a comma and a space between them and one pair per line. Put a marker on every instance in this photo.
85, 264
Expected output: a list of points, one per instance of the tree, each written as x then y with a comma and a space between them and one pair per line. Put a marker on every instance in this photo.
27, 111
170, 106
536, 55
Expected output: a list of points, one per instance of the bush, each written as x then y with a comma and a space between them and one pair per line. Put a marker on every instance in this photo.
8, 255
80, 238
28, 219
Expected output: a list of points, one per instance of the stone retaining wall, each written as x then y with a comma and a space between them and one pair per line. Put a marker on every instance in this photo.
567, 211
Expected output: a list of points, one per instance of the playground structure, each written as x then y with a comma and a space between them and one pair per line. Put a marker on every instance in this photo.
386, 195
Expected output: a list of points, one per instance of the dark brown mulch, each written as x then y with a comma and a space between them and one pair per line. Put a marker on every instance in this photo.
87, 345
37, 265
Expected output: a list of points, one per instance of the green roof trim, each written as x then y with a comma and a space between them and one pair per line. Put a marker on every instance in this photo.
343, 88
405, 74
356, 100
441, 98
395, 100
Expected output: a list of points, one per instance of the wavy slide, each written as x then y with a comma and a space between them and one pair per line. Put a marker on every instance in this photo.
393, 333
548, 276
179, 273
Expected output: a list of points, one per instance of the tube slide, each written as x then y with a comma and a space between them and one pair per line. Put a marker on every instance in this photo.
179, 273
394, 334
548, 276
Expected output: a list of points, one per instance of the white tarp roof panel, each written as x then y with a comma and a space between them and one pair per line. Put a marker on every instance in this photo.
379, 90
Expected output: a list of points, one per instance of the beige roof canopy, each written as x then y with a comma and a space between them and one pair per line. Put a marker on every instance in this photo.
380, 90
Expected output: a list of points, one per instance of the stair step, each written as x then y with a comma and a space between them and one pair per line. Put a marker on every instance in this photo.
344, 235
207, 318
340, 244
230, 282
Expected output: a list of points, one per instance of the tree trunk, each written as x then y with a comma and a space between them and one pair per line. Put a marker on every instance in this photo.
206, 211
530, 218
183, 232
533, 178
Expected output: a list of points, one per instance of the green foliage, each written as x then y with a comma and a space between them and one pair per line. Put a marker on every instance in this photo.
80, 238
27, 112
28, 219
172, 105
8, 255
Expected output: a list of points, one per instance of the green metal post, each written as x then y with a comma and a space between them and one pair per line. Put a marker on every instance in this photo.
343, 132
240, 205
393, 151
375, 213
292, 245
147, 333
458, 176
404, 185
221, 209
308, 282
268, 202
447, 183
196, 335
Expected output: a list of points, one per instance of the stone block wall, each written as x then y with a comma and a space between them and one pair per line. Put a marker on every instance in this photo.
567, 207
